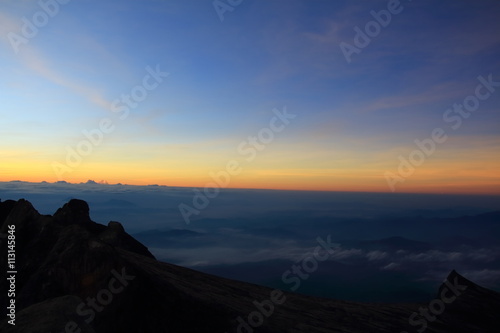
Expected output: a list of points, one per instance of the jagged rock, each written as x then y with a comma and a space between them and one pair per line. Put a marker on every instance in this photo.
56, 254
479, 305
5, 209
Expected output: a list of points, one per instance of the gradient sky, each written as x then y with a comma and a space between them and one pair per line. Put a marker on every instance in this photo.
352, 120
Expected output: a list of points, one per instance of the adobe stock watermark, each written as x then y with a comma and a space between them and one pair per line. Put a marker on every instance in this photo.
249, 149
295, 275
437, 306
30, 28
372, 29
87, 310
223, 6
454, 117
122, 107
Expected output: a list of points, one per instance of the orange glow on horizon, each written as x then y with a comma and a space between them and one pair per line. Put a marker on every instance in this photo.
448, 175
267, 184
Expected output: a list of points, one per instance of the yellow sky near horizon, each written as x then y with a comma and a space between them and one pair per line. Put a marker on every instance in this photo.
447, 172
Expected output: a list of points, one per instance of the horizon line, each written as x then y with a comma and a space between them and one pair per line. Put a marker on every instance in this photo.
104, 183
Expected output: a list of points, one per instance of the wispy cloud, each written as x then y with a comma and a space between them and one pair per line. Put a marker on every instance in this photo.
34, 60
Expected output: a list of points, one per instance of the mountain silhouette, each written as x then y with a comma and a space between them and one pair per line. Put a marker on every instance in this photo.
75, 275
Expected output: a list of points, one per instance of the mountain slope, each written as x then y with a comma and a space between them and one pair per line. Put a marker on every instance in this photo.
75, 275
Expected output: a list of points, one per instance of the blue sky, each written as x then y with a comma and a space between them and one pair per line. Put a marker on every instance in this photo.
226, 77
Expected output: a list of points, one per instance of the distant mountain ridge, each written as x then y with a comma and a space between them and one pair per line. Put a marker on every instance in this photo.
75, 275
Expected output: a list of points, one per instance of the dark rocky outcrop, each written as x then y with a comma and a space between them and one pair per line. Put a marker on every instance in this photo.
75, 275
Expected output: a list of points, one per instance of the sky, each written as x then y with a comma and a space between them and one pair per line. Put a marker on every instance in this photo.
295, 94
